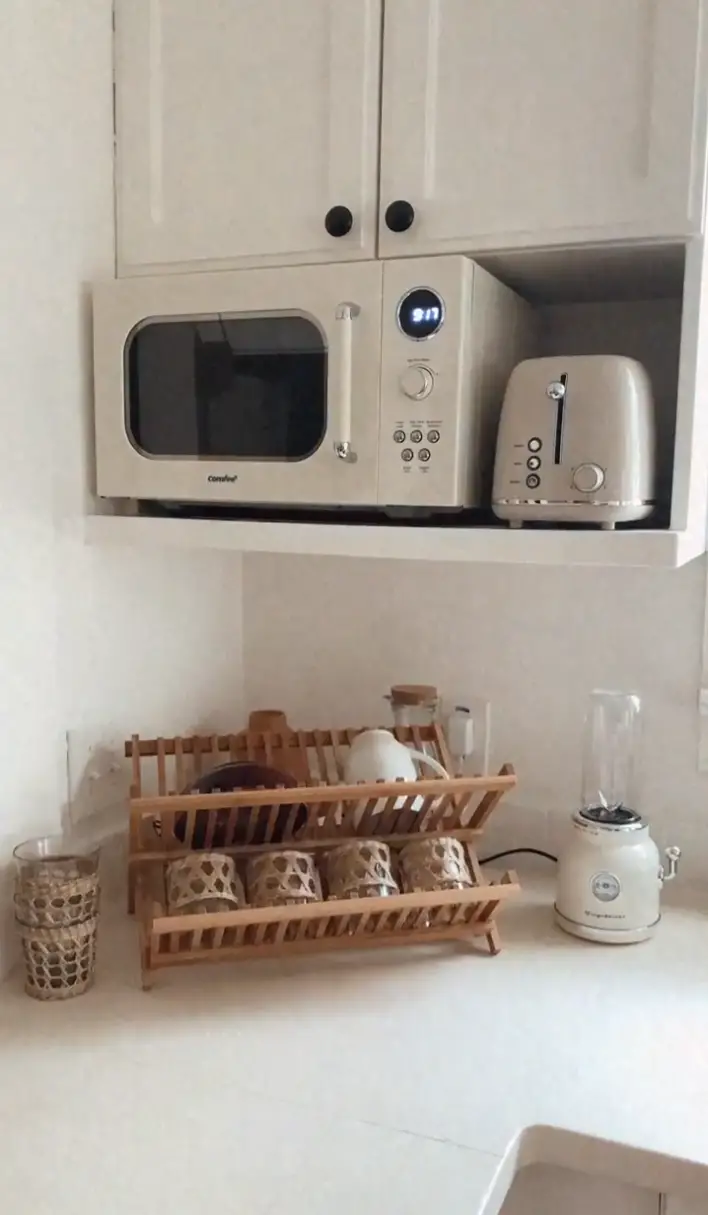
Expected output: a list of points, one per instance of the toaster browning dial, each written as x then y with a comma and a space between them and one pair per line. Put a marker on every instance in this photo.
588, 478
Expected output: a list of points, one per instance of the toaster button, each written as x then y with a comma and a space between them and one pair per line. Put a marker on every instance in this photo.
533, 463
588, 478
533, 481
535, 444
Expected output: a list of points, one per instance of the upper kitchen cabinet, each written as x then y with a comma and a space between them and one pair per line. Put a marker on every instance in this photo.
246, 132
509, 123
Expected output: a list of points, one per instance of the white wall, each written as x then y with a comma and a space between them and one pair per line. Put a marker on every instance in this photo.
96, 643
325, 638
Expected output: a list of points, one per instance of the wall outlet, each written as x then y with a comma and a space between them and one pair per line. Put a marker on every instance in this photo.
480, 711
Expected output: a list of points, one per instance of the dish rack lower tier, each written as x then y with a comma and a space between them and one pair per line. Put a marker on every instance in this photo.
423, 918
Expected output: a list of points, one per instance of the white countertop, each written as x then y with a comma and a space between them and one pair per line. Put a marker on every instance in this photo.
395, 1083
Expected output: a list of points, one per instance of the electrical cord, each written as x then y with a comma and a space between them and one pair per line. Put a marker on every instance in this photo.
485, 860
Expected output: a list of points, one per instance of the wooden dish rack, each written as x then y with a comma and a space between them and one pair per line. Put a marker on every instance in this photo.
318, 813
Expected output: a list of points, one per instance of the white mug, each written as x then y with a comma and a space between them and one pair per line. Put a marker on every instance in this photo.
377, 755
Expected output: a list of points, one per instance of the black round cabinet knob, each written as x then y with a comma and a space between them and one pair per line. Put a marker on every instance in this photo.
338, 221
399, 215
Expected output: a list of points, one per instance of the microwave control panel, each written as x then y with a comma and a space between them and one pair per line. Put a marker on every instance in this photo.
424, 356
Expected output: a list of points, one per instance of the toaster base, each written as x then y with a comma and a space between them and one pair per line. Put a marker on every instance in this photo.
599, 514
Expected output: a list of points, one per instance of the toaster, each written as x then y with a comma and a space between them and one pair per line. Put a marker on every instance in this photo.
576, 442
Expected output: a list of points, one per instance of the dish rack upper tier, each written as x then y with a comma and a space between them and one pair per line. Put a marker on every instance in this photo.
321, 808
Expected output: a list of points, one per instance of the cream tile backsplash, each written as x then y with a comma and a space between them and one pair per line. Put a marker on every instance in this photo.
324, 638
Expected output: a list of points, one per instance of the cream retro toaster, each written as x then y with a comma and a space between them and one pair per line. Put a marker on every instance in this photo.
576, 442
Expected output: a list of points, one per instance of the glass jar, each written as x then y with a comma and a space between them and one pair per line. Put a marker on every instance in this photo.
414, 704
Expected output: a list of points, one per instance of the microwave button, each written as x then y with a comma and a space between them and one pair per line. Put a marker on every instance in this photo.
407, 454
399, 436
416, 436
424, 454
416, 382
433, 436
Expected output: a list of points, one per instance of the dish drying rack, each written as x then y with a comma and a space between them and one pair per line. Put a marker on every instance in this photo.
334, 813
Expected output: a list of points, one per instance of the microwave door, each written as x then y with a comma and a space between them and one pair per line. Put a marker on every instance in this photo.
252, 387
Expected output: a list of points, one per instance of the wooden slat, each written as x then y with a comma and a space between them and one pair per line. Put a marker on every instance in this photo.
210, 829
197, 753
291, 820
443, 751
406, 817
420, 822
418, 741
458, 813
448, 790
362, 925
371, 816
136, 782
370, 940
173, 942
321, 756
268, 748
352, 811
233, 748
148, 746
179, 766
272, 822
250, 746
342, 925
338, 751
330, 819
491, 800
420, 901
475, 867
321, 927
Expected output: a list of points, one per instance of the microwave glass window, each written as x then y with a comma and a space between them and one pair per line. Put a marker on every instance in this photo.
251, 388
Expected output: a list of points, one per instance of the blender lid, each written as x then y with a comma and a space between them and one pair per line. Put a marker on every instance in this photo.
613, 818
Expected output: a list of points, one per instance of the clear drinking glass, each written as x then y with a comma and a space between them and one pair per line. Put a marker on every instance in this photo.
611, 753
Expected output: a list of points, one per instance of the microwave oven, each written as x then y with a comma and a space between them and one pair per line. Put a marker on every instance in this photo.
373, 384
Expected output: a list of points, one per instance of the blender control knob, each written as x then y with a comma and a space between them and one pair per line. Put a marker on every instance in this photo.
588, 478
417, 382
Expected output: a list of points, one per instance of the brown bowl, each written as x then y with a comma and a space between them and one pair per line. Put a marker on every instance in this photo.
241, 775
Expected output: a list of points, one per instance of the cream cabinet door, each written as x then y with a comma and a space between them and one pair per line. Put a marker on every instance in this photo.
240, 125
510, 123
547, 1190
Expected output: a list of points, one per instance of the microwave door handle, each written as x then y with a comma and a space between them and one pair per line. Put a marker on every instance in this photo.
343, 449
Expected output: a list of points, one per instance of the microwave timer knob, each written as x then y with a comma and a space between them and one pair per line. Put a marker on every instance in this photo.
416, 382
588, 478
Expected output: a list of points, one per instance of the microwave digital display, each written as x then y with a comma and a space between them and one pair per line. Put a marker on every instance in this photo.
420, 313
